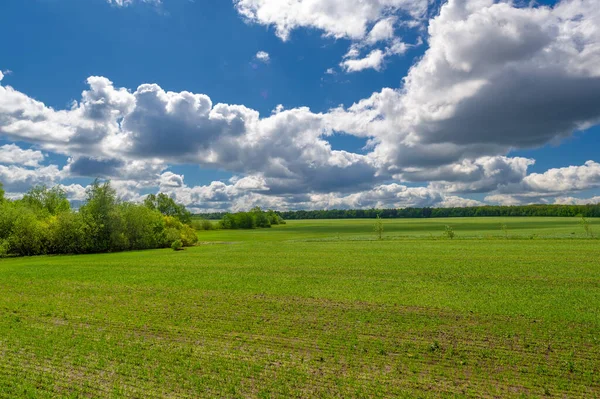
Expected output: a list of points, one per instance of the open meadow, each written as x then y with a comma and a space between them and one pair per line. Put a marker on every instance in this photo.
318, 308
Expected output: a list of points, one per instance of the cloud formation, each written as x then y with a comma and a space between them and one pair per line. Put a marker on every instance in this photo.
366, 23
12, 154
348, 19
124, 3
495, 78
263, 56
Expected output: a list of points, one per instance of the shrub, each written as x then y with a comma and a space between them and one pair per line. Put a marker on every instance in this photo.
177, 245
4, 247
168, 207
47, 201
449, 232
100, 214
202, 224
28, 236
8, 214
43, 223
207, 225
188, 236
142, 227
260, 218
69, 234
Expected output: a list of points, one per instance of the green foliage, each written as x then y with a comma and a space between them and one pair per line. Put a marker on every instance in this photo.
48, 201
202, 224
99, 212
28, 236
179, 231
43, 223
4, 248
1, 192
177, 245
261, 219
168, 207
256, 218
8, 214
142, 227
378, 227
70, 234
449, 232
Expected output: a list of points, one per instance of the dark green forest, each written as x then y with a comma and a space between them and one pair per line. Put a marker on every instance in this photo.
417, 213
254, 219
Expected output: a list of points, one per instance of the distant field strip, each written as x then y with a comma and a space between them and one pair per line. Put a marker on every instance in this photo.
313, 309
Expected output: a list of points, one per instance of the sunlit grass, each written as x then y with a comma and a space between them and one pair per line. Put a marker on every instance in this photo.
313, 309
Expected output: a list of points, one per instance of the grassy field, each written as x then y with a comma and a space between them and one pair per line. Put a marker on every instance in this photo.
313, 309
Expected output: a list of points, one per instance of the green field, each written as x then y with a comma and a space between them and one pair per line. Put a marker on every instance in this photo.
313, 309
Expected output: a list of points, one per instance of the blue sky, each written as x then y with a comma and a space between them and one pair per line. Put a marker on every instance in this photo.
462, 101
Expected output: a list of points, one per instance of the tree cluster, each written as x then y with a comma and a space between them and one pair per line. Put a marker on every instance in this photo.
42, 222
256, 218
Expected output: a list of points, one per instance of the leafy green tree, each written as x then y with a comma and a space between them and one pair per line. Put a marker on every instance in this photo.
143, 228
8, 214
29, 236
100, 213
227, 222
70, 234
51, 201
245, 220
260, 217
274, 218
168, 207
1, 192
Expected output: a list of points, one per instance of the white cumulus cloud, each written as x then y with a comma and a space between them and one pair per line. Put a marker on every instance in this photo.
13, 154
263, 56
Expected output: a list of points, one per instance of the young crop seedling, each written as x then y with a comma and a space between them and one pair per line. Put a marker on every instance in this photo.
378, 228
504, 229
585, 223
449, 232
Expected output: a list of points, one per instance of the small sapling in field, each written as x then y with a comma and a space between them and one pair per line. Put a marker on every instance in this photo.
504, 229
585, 223
378, 228
449, 232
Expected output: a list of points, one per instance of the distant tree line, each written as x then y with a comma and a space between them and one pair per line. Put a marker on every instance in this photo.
477, 211
42, 222
416, 213
254, 219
